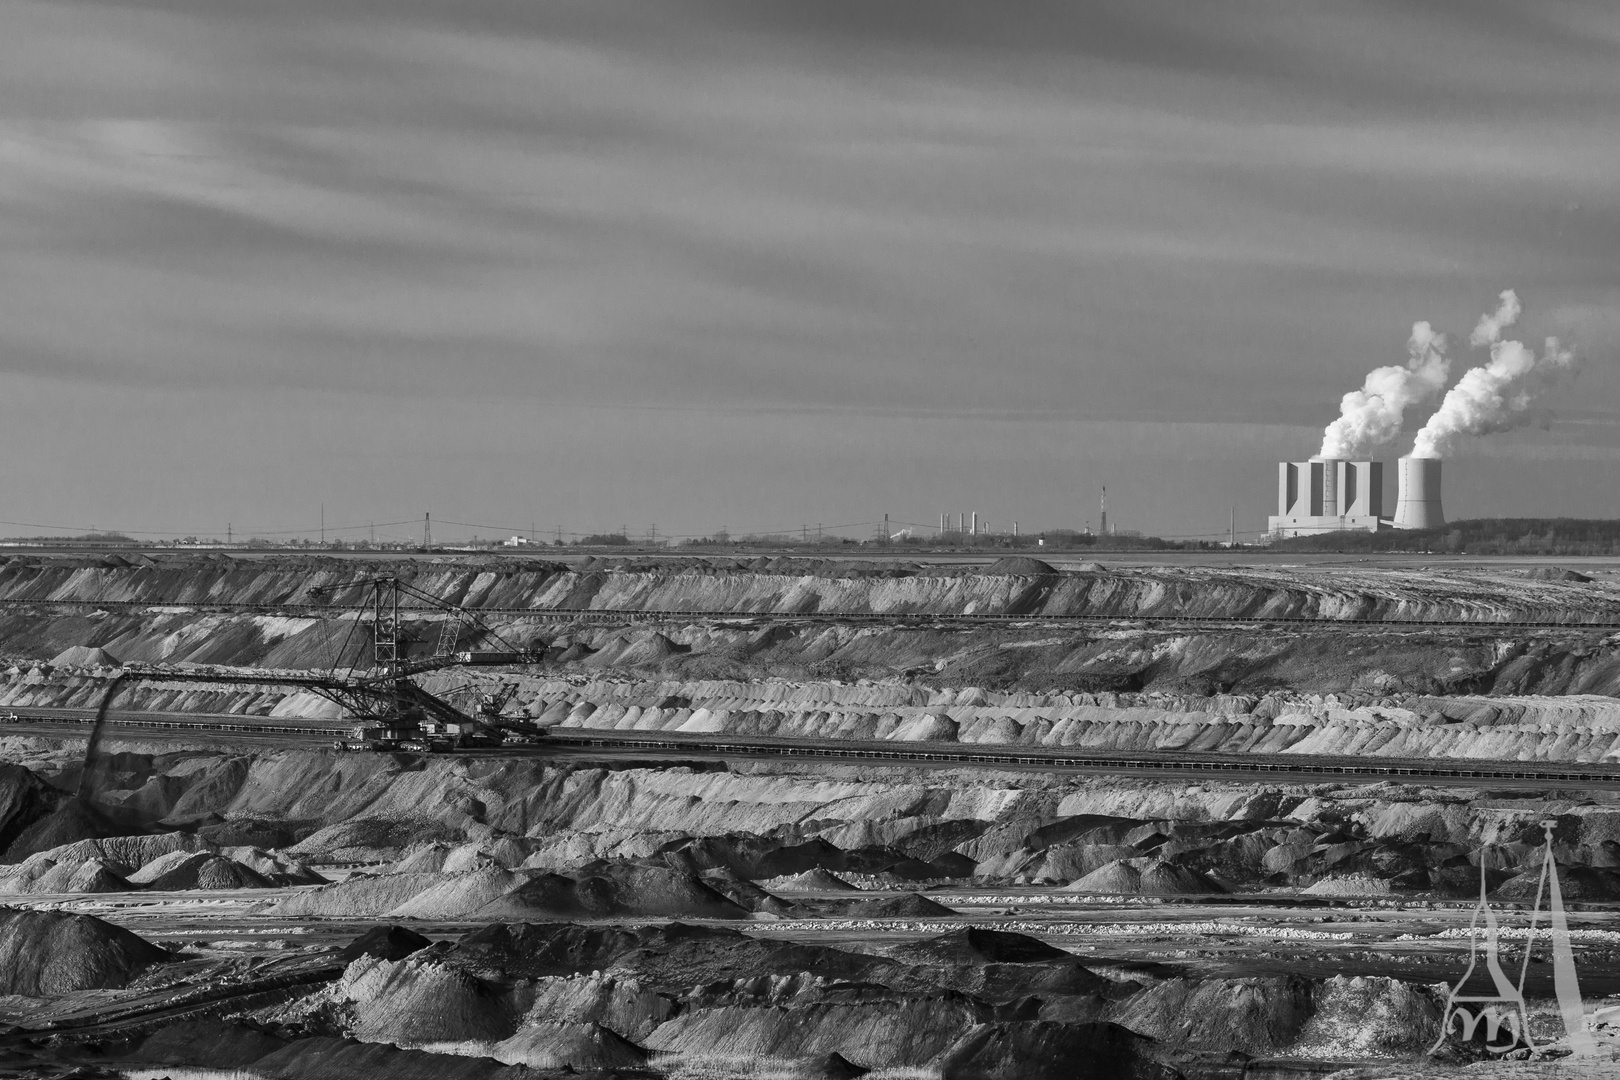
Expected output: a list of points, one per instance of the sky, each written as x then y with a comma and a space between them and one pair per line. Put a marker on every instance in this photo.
764, 264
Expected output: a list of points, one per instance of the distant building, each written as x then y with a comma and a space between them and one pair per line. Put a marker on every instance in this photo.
1328, 496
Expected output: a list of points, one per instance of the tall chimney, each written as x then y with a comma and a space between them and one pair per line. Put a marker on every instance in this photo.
1330, 487
1417, 504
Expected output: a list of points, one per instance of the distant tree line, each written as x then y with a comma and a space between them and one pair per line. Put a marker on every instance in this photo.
604, 540
1478, 536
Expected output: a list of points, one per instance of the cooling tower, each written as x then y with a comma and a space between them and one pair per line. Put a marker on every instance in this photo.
1417, 506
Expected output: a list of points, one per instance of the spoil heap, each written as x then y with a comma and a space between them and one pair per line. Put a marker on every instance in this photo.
84, 656
206, 871
1144, 877
46, 953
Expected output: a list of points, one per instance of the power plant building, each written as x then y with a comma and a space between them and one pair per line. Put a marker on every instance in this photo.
1328, 496
1325, 496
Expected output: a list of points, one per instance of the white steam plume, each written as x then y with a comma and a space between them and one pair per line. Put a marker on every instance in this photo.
1371, 416
1489, 330
1495, 396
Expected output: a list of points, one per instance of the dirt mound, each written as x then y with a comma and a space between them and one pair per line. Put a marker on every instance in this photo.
140, 851
620, 1004
96, 876
739, 890
1118, 877
384, 943
1160, 878
548, 1045
577, 651
538, 950
41, 874
96, 865
358, 897
761, 858
610, 651
1067, 862
649, 650
879, 1029
906, 906
151, 871
1370, 1017
427, 859
674, 956
834, 1066
345, 1059
1143, 877
1352, 885
211, 1042
619, 890
47, 953
276, 868
421, 1000
541, 949
1051, 1051
1555, 573
35, 817
249, 832
974, 945
456, 895
206, 871
84, 656
1020, 566
811, 881
1254, 1015
366, 840
1580, 883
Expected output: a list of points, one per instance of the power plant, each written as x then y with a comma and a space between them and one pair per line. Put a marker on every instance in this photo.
1326, 495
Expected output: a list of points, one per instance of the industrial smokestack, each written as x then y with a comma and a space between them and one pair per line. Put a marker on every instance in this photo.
1330, 487
1417, 505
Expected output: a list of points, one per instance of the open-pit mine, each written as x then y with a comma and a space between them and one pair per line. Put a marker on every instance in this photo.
490, 819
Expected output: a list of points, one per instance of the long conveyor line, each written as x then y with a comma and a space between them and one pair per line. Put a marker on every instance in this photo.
1606, 621
1209, 766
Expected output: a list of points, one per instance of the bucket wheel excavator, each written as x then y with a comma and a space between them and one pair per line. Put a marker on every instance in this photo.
392, 708
375, 681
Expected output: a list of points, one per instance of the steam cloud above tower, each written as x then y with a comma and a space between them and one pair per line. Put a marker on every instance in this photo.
1495, 396
1371, 416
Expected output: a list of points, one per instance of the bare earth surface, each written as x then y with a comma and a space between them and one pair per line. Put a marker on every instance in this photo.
195, 901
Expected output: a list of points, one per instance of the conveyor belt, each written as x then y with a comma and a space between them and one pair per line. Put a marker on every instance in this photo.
1206, 766
1601, 620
